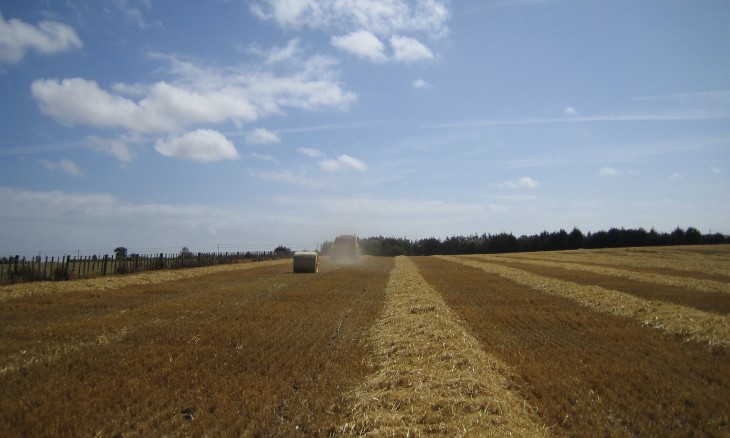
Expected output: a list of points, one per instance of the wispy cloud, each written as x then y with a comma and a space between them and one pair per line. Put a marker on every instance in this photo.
523, 183
342, 162
637, 117
66, 166
608, 171
420, 84
261, 136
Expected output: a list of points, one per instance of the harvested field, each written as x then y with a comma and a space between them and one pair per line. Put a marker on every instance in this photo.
239, 353
432, 376
695, 293
589, 373
577, 343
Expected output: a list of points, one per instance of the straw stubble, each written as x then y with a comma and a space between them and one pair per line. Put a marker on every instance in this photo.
432, 375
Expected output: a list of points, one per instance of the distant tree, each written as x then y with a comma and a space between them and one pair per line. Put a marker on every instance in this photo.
282, 251
692, 236
575, 239
185, 252
121, 252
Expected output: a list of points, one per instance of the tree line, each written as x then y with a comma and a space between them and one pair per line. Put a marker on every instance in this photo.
545, 241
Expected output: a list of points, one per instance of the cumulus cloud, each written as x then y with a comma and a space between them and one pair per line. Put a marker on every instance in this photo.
570, 111
375, 16
47, 37
199, 96
262, 136
195, 95
66, 166
342, 162
362, 44
407, 49
360, 27
523, 183
608, 171
202, 145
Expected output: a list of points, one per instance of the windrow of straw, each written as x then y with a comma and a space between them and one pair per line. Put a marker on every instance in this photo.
119, 281
689, 259
432, 376
668, 280
694, 324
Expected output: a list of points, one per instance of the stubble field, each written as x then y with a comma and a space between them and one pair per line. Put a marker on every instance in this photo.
618, 342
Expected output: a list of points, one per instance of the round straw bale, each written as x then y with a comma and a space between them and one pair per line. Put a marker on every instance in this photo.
307, 262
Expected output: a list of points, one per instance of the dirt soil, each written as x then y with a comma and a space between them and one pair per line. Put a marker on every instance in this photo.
590, 373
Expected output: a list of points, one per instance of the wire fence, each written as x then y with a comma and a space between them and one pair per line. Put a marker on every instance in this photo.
16, 269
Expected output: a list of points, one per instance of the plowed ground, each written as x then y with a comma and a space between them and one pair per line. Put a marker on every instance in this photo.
238, 353
589, 373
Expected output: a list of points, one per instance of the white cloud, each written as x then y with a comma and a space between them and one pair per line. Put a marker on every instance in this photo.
262, 136
277, 54
362, 44
608, 171
570, 111
420, 83
375, 16
406, 49
716, 170
676, 177
263, 157
202, 145
196, 96
311, 152
523, 183
342, 162
119, 147
48, 37
66, 166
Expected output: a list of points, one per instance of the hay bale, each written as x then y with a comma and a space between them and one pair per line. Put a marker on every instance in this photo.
306, 262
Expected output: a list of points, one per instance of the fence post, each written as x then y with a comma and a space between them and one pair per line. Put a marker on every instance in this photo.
103, 265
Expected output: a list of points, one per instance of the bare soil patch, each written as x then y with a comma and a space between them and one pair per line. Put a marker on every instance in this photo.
589, 373
237, 352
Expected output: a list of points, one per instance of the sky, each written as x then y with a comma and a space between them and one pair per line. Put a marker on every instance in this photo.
241, 125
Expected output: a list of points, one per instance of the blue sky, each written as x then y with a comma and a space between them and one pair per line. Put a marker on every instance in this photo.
245, 124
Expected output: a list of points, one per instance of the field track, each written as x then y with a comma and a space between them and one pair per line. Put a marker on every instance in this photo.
629, 342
